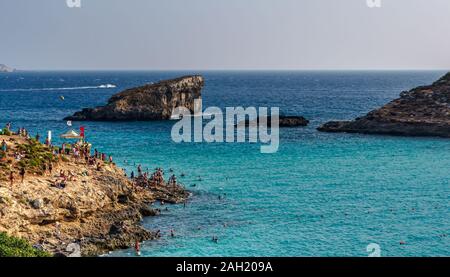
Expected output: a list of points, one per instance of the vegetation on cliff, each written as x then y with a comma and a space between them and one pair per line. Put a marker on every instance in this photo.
15, 247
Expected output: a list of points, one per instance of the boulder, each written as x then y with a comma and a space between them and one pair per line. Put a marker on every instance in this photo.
37, 204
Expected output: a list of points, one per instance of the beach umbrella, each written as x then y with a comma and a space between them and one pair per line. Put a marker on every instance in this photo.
70, 135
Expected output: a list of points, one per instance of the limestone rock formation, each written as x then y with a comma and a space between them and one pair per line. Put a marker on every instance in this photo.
5, 68
98, 210
149, 102
423, 111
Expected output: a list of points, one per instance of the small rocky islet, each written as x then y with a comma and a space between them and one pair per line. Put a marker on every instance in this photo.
422, 111
6, 69
157, 102
284, 121
145, 103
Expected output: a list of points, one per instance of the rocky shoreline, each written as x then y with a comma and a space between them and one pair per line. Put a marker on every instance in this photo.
422, 111
97, 210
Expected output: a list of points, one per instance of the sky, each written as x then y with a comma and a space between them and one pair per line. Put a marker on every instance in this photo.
225, 35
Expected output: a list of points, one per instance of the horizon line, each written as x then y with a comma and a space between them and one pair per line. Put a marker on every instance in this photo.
245, 69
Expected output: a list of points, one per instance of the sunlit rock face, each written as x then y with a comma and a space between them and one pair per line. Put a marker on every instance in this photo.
149, 102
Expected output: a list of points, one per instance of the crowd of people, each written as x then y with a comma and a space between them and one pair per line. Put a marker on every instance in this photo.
80, 151
145, 180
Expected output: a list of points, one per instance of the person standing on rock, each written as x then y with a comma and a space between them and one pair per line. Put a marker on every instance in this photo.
139, 168
4, 146
22, 174
11, 178
137, 247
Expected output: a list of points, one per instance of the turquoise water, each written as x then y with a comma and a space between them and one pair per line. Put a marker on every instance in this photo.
319, 195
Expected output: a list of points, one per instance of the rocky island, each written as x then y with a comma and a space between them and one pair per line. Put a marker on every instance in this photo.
68, 201
6, 69
284, 122
422, 111
148, 102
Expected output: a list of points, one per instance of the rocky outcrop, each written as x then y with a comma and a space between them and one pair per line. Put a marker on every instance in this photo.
96, 211
149, 102
284, 121
5, 68
423, 111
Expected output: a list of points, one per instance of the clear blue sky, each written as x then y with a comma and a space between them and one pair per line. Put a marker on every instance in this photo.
225, 34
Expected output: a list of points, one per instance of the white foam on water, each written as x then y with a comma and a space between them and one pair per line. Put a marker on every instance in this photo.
105, 86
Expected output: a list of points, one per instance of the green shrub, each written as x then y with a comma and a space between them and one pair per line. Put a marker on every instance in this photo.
5, 132
15, 247
37, 155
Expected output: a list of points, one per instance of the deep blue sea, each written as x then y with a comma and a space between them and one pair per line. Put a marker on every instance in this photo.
321, 194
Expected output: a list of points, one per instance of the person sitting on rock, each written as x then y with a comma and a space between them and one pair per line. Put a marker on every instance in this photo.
71, 176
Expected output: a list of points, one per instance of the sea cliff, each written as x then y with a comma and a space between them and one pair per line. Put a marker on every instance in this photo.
149, 102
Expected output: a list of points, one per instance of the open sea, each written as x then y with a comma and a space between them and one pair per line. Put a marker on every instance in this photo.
321, 194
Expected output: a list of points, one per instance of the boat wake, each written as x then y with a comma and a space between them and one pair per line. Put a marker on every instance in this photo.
105, 86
